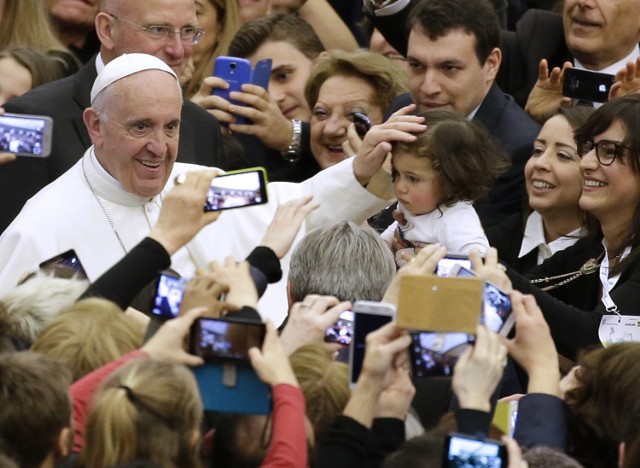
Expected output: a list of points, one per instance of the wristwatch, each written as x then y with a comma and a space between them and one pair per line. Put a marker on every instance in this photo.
292, 153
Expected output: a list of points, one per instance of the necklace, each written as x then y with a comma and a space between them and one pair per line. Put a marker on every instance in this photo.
589, 267
104, 210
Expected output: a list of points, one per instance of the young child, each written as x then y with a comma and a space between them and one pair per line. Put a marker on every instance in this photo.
437, 178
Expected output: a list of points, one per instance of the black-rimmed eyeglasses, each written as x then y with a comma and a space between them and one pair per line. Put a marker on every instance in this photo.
606, 150
188, 34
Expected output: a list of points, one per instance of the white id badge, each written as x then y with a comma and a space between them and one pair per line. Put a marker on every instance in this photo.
619, 329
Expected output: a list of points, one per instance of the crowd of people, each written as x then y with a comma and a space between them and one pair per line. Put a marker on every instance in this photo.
393, 134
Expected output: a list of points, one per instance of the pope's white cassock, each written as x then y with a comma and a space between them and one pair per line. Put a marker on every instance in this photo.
87, 210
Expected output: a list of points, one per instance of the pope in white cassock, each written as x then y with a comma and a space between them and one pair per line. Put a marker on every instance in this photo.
108, 201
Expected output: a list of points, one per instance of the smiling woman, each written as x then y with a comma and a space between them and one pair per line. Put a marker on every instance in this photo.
341, 84
602, 275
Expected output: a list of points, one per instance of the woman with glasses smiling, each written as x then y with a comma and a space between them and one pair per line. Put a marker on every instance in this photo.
602, 276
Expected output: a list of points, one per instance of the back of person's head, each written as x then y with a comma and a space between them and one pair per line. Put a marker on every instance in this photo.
599, 408
577, 115
462, 152
42, 67
146, 410
35, 407
342, 260
31, 305
424, 451
275, 28
88, 335
546, 457
387, 80
240, 441
325, 385
437, 18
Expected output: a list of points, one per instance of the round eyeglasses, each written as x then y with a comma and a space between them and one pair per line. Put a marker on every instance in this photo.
188, 34
606, 150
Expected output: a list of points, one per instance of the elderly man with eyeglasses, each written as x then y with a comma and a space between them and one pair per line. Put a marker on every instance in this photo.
167, 29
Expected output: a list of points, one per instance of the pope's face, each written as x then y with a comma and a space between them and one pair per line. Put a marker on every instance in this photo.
137, 142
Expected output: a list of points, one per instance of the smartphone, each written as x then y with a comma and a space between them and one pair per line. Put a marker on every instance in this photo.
435, 354
26, 135
341, 331
467, 450
447, 263
262, 73
220, 339
362, 123
169, 290
496, 311
586, 85
237, 189
65, 261
368, 316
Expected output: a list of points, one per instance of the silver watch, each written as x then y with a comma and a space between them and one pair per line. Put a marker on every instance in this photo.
292, 154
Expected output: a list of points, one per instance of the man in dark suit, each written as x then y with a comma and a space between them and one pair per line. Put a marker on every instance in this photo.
164, 28
454, 56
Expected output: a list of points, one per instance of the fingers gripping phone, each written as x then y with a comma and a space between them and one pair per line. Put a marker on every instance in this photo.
237, 189
26, 135
586, 85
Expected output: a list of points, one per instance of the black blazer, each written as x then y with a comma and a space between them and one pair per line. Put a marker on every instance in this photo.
515, 131
65, 100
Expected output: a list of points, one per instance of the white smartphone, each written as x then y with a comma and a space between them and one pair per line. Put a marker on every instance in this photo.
496, 311
26, 135
368, 316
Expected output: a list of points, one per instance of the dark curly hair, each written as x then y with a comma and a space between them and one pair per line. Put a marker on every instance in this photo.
464, 154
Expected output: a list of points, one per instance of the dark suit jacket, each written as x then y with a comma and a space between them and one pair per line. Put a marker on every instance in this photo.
515, 132
65, 100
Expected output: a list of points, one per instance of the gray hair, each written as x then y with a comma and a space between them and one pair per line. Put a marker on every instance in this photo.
29, 307
342, 260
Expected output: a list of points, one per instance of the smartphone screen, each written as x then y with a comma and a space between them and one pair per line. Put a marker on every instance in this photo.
367, 318
236, 190
218, 339
341, 331
464, 450
434, 354
496, 309
65, 261
26, 135
169, 291
587, 85
447, 263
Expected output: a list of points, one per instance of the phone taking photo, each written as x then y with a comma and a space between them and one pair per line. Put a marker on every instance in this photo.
466, 450
362, 123
435, 354
586, 85
237, 189
68, 261
169, 291
219, 339
368, 316
341, 331
26, 135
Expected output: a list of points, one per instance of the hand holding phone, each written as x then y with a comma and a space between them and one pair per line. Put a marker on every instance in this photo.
26, 135
237, 189
585, 85
467, 450
169, 290
218, 339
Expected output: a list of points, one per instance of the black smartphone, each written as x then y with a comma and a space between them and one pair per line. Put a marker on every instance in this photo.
368, 317
341, 331
237, 189
68, 261
169, 291
434, 354
496, 311
466, 450
447, 263
362, 123
219, 339
587, 85
26, 135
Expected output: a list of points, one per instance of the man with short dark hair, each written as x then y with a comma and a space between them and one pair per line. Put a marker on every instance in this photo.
35, 420
164, 28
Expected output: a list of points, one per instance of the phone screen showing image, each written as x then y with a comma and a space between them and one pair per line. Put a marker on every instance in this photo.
169, 292
237, 190
341, 331
462, 450
434, 354
220, 339
26, 135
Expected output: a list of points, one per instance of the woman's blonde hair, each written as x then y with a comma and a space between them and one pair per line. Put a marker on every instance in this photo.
228, 24
27, 23
146, 410
88, 335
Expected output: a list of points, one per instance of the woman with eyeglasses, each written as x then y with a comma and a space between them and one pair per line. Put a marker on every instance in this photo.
600, 277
